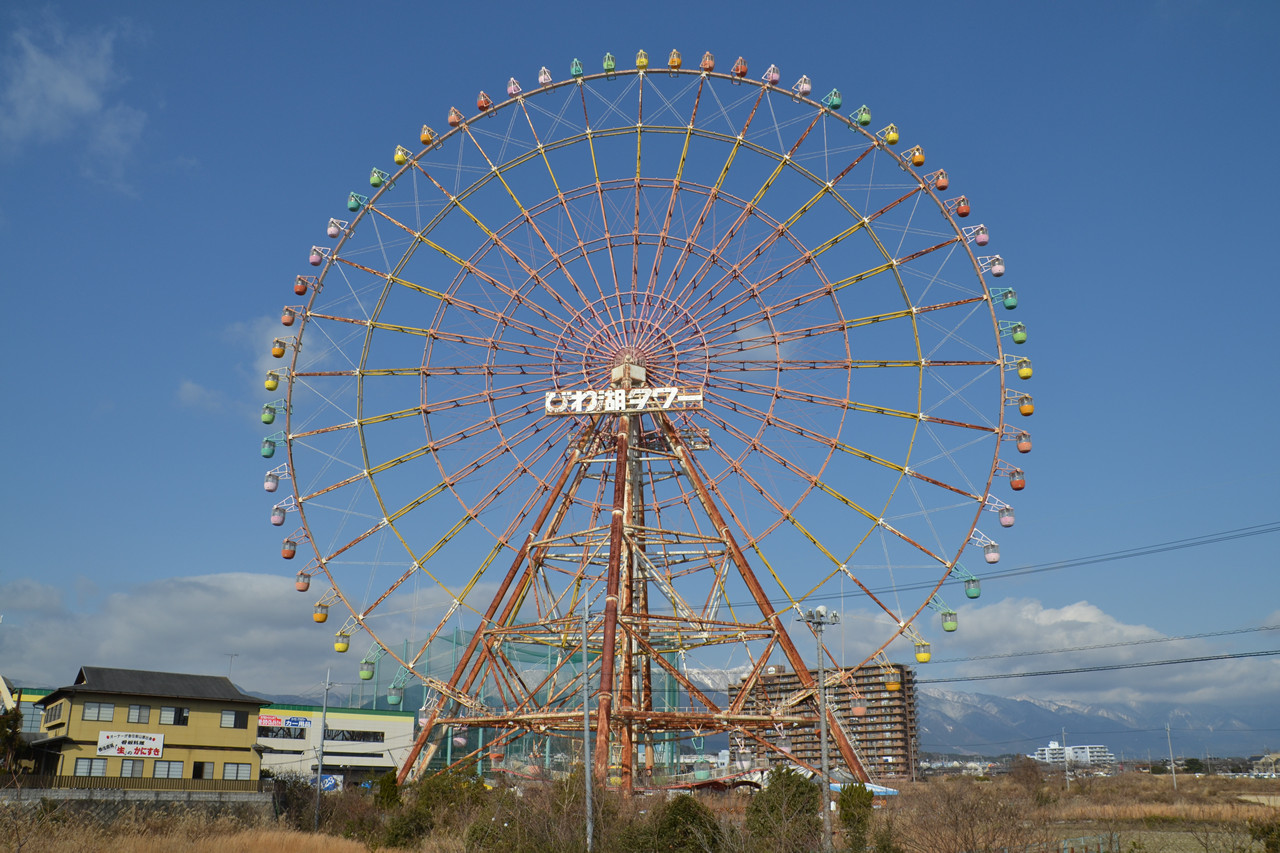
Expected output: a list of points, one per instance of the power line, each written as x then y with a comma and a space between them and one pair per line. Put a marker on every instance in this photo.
1123, 554
1111, 645
1100, 668
1075, 562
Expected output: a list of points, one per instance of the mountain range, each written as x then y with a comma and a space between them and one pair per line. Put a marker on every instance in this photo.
979, 724
959, 723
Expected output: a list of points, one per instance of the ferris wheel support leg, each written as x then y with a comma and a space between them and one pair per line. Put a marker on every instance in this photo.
757, 591
604, 699
411, 762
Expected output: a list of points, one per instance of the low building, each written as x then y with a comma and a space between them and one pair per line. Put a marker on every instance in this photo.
1090, 754
358, 742
136, 729
1266, 765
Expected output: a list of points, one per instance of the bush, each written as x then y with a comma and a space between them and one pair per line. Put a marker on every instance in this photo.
685, 825
550, 818
294, 800
681, 824
963, 815
1267, 832
786, 815
436, 802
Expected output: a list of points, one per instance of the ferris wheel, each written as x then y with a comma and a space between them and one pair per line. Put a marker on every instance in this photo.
618, 376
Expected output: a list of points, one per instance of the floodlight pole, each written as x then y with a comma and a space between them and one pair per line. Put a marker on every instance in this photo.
324, 722
819, 618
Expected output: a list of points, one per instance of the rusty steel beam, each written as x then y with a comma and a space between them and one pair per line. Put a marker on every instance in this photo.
570, 463
757, 591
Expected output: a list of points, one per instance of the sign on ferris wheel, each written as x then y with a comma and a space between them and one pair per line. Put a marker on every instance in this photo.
622, 400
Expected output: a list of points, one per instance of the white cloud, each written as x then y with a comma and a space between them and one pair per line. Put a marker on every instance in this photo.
196, 396
59, 86
187, 625
1001, 637
254, 338
1017, 627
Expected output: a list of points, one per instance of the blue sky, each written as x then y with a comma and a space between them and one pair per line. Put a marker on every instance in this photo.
166, 171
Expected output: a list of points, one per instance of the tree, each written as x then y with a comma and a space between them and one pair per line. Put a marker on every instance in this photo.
12, 746
1025, 773
855, 815
785, 816
1193, 765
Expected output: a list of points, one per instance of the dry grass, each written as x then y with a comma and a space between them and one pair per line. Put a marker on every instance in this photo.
1205, 815
85, 840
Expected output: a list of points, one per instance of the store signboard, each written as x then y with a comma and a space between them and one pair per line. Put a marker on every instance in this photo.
130, 744
284, 722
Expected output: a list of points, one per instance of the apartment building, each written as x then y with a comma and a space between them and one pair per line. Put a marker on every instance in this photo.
875, 705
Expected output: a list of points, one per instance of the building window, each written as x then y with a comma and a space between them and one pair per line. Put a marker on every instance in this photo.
202, 770
91, 767
168, 770
101, 712
235, 719
350, 736
30, 718
237, 772
140, 714
282, 732
53, 713
131, 768
174, 716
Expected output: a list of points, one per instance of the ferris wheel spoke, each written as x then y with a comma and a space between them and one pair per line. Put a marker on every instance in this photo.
564, 206
732, 231
484, 396
772, 314
948, 335
496, 421
760, 289
477, 272
532, 223
495, 316
525, 217
773, 419
599, 193
357, 423
779, 230
815, 481
484, 369
668, 288
778, 393
649, 315
956, 392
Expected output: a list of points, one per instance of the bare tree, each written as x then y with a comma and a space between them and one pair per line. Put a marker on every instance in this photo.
964, 816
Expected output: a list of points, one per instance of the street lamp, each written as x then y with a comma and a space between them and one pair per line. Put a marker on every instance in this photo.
819, 618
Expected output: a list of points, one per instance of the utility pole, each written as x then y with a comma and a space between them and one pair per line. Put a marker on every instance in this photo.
324, 722
231, 658
1173, 770
819, 618
1066, 764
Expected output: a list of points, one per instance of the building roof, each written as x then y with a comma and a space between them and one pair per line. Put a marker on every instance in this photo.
137, 682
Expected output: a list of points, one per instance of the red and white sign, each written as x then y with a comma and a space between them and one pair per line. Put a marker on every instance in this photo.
284, 722
130, 744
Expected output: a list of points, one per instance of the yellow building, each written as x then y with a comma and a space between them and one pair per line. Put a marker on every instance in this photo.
134, 729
